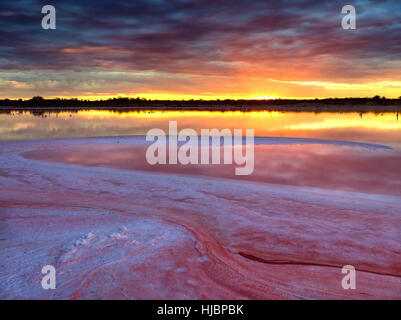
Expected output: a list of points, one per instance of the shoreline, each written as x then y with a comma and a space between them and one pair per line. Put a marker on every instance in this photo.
298, 107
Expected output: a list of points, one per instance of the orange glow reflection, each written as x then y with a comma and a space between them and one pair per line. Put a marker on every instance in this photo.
369, 127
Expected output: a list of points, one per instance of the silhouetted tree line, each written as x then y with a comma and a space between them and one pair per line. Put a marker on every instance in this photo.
224, 104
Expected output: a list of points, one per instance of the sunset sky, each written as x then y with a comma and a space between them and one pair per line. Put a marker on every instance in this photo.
181, 49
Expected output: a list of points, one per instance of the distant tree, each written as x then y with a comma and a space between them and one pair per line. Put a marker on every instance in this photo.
37, 98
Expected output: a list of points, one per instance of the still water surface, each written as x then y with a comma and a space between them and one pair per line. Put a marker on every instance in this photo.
380, 128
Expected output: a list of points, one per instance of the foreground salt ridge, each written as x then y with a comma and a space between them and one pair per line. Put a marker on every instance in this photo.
134, 235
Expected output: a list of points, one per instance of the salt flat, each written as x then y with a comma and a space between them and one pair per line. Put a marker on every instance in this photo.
129, 232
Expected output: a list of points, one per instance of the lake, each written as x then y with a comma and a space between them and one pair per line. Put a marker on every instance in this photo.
115, 226
379, 128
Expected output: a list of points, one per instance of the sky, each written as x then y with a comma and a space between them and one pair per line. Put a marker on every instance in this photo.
182, 49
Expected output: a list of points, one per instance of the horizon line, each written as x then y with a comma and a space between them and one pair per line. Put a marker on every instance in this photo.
139, 98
